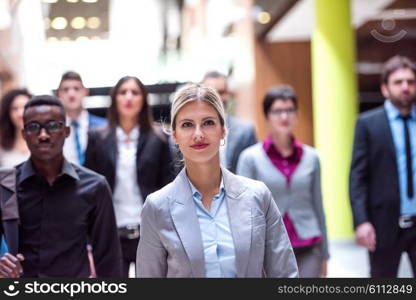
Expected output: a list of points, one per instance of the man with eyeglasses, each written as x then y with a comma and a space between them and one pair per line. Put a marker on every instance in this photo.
240, 133
62, 206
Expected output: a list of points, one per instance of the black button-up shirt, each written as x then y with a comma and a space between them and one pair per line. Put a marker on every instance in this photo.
57, 221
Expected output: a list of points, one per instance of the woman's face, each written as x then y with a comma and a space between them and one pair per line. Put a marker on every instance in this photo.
16, 111
129, 100
198, 132
282, 116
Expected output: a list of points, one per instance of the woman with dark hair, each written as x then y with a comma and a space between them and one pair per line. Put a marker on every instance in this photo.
133, 156
291, 170
13, 149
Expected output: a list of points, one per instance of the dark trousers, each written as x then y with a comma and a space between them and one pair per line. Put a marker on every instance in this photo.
385, 263
129, 250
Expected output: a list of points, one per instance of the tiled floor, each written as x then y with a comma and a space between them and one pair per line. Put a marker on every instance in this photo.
350, 260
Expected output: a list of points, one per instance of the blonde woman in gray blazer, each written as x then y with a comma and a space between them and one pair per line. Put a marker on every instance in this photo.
291, 171
209, 222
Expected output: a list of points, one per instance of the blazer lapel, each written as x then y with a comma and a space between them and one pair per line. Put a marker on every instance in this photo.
110, 146
239, 212
9, 209
140, 146
183, 212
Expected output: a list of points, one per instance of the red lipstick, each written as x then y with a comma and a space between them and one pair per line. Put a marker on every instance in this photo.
199, 146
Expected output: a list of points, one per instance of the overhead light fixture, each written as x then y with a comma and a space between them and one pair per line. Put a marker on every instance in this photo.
65, 39
78, 23
264, 17
49, 1
72, 1
89, 1
59, 23
93, 22
95, 38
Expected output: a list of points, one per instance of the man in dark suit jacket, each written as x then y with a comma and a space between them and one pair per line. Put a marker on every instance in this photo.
240, 134
382, 175
71, 92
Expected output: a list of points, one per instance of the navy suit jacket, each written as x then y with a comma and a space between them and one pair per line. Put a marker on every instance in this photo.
374, 180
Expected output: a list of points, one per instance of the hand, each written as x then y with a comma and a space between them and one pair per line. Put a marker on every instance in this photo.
93, 273
324, 269
10, 266
365, 235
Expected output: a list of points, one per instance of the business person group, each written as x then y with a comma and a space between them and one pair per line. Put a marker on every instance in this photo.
94, 197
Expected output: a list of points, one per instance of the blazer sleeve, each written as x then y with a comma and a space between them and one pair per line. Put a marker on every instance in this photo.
358, 179
246, 166
318, 207
151, 259
91, 155
103, 233
279, 258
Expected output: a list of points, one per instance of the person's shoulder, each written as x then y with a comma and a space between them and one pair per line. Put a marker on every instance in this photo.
253, 150
309, 150
96, 121
100, 133
238, 123
161, 197
88, 176
157, 134
249, 186
372, 114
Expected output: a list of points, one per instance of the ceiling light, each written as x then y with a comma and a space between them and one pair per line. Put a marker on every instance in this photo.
264, 17
78, 23
59, 23
93, 22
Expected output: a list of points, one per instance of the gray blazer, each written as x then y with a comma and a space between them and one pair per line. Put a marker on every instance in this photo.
170, 239
240, 136
302, 200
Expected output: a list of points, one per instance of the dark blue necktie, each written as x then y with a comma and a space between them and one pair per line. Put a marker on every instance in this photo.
409, 169
80, 153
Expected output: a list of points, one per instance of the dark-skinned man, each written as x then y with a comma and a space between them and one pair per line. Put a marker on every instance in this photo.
62, 206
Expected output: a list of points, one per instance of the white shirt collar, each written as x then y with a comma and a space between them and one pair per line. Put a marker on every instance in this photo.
132, 136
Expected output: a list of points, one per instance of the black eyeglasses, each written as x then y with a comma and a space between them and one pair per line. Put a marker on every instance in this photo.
51, 127
279, 112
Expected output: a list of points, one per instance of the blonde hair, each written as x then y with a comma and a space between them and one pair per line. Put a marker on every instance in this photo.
196, 92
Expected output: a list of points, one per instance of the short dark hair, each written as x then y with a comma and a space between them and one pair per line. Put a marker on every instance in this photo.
45, 100
213, 74
70, 75
7, 128
281, 92
145, 115
395, 63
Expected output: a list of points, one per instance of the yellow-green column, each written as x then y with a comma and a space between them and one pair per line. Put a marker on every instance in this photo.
334, 107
